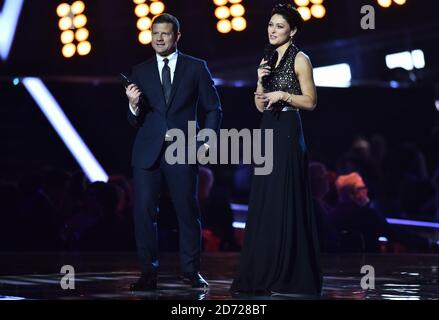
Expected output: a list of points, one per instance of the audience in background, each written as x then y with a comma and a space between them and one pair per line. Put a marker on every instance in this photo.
52, 210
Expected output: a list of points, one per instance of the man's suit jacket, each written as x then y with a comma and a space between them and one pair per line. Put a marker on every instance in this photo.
192, 86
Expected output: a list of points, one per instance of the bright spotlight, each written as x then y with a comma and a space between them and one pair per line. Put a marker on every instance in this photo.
224, 26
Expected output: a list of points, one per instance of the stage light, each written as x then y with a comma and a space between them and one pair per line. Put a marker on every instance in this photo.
301, 3
65, 23
222, 12
418, 59
72, 24
144, 23
84, 48
220, 2
56, 117
406, 60
338, 75
68, 50
145, 37
8, 23
235, 12
67, 36
81, 34
318, 11
239, 24
385, 3
305, 12
141, 10
63, 10
77, 7
157, 7
400, 2
224, 26
79, 21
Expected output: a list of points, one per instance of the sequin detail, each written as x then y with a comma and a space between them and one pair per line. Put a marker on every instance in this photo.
283, 77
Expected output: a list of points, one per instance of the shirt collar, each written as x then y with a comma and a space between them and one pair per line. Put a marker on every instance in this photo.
172, 56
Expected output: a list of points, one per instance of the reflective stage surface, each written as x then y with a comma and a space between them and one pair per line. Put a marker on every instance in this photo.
109, 275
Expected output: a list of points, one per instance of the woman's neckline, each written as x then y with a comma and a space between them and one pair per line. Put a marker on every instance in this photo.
283, 56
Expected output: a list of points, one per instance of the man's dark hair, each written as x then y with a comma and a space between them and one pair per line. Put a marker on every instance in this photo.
290, 14
168, 18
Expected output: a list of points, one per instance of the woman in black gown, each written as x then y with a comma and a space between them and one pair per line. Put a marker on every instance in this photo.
280, 252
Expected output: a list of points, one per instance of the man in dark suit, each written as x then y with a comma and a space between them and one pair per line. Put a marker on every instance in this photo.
165, 94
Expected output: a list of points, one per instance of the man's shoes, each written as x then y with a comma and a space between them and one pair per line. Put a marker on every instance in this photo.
146, 282
194, 279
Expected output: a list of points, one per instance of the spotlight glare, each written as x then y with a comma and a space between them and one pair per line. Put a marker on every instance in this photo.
65, 23
222, 12
62, 10
81, 34
418, 59
305, 13
57, 118
145, 37
237, 10
385, 3
68, 50
141, 10
400, 60
144, 23
84, 48
157, 7
220, 2
400, 2
316, 1
239, 24
67, 36
139, 1
79, 21
235, 1
301, 3
318, 11
78, 7
338, 75
224, 26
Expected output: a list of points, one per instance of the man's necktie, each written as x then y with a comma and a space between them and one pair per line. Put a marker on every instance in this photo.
166, 80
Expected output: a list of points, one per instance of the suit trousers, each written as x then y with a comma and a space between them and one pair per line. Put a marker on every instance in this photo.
182, 180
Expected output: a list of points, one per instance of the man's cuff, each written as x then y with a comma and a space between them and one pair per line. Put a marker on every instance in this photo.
134, 110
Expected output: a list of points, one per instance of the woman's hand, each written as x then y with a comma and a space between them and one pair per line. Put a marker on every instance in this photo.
263, 70
271, 98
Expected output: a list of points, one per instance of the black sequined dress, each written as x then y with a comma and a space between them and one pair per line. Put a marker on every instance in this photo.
280, 251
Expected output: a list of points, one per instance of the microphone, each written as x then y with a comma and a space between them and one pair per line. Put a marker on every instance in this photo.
270, 55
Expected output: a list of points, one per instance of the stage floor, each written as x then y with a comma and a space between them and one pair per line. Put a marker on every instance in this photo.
108, 276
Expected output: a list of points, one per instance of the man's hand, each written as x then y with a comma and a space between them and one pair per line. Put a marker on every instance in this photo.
133, 93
